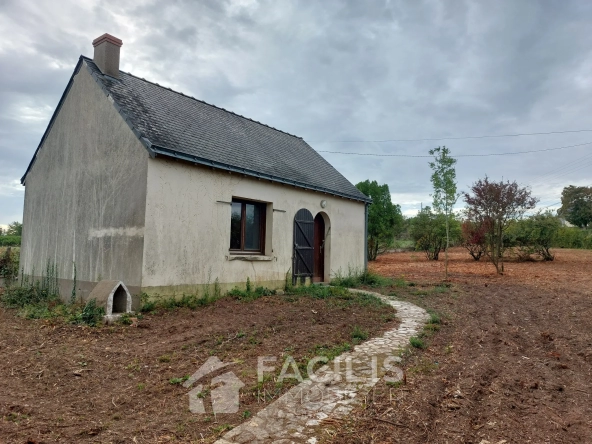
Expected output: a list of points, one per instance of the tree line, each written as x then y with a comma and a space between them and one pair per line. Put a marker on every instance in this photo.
11, 236
493, 223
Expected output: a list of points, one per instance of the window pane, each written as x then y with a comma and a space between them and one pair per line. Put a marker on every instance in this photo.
235, 226
253, 227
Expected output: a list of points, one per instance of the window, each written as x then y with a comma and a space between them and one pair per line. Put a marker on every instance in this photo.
247, 227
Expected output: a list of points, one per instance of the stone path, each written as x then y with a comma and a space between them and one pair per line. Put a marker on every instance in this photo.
336, 389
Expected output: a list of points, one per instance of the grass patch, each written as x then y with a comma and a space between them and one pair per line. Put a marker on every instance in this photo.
359, 334
434, 317
431, 328
417, 342
338, 295
178, 381
40, 299
441, 288
359, 278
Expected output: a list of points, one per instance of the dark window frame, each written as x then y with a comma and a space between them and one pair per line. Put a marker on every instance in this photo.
262, 206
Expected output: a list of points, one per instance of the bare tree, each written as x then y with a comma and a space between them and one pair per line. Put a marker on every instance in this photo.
495, 204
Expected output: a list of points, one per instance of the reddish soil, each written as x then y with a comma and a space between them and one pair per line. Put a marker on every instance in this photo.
512, 362
111, 384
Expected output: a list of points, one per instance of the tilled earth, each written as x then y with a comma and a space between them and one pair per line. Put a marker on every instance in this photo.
512, 362
122, 384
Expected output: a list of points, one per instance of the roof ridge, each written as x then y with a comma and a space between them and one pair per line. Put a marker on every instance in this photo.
203, 101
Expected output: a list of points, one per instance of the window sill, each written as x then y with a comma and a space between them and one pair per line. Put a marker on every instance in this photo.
249, 257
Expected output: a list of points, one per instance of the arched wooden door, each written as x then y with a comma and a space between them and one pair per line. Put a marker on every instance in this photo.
303, 259
319, 249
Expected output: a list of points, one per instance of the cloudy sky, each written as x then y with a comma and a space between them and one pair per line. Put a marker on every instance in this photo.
348, 77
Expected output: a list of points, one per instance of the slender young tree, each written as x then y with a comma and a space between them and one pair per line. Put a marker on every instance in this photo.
445, 195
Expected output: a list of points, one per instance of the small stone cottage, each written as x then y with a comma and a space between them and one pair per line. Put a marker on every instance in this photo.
133, 182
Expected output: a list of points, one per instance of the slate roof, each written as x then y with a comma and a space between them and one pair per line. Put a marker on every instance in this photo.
172, 124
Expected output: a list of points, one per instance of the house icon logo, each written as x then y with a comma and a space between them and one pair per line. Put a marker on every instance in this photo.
225, 395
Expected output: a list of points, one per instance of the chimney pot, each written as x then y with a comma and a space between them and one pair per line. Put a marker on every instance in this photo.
107, 54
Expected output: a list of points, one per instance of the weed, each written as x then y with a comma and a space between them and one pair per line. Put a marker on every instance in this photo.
222, 428
217, 289
178, 381
125, 319
417, 342
263, 291
431, 328
191, 301
16, 417
91, 314
358, 277
135, 366
203, 394
246, 414
147, 304
434, 318
253, 340
141, 386
42, 310
73, 294
359, 334
394, 384
33, 292
164, 358
288, 287
331, 352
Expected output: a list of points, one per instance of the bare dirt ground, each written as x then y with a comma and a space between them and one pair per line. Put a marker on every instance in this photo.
113, 384
512, 362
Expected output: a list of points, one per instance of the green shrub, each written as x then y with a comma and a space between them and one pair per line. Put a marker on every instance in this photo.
10, 241
146, 303
91, 314
533, 235
572, 237
428, 230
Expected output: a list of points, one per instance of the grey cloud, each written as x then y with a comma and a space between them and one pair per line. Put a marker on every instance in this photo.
330, 71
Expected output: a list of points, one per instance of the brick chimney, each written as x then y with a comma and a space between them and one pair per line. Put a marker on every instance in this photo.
107, 54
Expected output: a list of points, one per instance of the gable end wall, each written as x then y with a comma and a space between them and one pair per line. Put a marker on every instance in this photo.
85, 195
